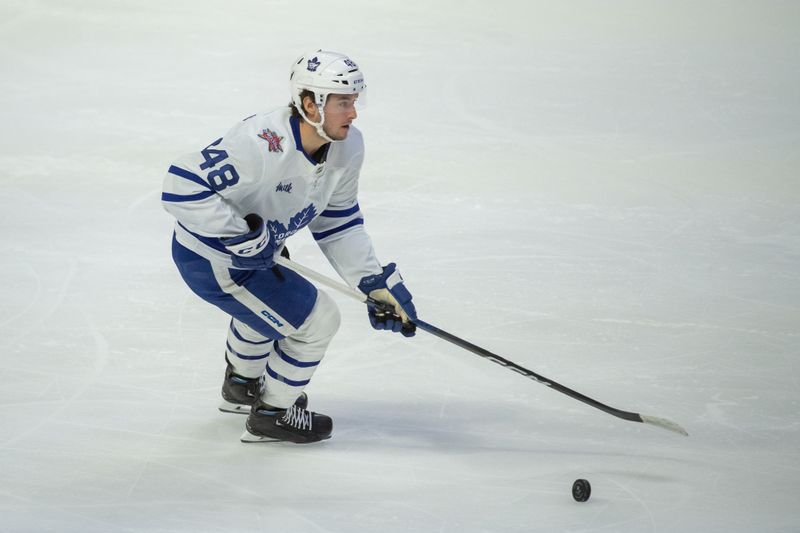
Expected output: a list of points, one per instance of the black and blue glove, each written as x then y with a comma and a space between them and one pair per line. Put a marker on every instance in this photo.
254, 250
390, 306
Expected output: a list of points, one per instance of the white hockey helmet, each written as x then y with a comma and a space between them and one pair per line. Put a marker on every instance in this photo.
323, 72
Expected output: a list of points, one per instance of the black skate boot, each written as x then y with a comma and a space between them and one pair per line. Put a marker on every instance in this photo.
240, 393
295, 424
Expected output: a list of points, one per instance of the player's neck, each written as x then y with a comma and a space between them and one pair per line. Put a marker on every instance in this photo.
309, 138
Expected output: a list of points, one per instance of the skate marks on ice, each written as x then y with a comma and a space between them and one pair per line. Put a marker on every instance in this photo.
33, 326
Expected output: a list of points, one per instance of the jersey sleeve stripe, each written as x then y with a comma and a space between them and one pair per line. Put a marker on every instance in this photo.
336, 213
169, 197
324, 234
185, 174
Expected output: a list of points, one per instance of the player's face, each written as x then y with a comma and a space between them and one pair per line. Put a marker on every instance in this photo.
340, 112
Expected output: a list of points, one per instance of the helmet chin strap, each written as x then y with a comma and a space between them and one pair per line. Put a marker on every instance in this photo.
317, 125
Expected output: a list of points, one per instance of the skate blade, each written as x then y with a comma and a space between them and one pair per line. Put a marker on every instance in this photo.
237, 408
250, 438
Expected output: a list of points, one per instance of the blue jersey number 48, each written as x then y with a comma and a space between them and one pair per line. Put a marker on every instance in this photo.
221, 177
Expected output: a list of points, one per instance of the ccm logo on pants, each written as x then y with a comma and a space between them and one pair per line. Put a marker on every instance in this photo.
272, 319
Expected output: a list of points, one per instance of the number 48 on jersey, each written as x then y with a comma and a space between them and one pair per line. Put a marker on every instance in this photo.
222, 177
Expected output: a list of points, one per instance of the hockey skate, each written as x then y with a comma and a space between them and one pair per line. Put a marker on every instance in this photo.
295, 424
240, 393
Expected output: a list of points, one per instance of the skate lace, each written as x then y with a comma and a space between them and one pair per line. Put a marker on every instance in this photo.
297, 418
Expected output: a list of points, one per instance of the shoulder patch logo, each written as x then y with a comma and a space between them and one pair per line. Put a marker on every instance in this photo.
273, 140
313, 64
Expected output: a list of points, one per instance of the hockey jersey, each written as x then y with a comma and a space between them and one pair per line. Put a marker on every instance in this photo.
259, 166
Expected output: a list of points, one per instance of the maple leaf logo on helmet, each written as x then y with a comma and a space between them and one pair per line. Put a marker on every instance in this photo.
325, 73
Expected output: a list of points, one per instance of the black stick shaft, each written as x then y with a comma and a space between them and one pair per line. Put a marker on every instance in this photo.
486, 354
663, 423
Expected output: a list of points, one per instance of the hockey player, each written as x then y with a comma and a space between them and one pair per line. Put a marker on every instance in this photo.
238, 200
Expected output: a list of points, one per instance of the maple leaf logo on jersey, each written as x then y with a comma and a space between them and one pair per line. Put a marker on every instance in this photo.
313, 64
273, 140
296, 223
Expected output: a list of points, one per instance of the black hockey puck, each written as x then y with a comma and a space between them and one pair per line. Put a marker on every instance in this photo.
581, 490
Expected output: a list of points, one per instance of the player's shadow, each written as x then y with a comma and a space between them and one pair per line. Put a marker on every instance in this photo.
464, 426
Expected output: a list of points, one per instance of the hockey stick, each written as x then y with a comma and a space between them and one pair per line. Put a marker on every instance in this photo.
486, 354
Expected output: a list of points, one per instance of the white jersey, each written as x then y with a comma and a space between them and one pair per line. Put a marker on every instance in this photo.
260, 167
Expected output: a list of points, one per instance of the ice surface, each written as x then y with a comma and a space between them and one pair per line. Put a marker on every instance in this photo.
606, 193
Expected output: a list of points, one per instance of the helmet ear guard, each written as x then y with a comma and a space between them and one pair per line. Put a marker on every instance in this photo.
323, 73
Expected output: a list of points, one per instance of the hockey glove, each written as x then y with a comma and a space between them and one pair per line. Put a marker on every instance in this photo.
253, 250
394, 311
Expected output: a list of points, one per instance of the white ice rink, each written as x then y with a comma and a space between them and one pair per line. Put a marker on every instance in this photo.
604, 192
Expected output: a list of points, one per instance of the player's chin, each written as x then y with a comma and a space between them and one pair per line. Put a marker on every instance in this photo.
341, 134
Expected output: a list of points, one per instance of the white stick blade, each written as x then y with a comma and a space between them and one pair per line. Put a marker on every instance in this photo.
663, 423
